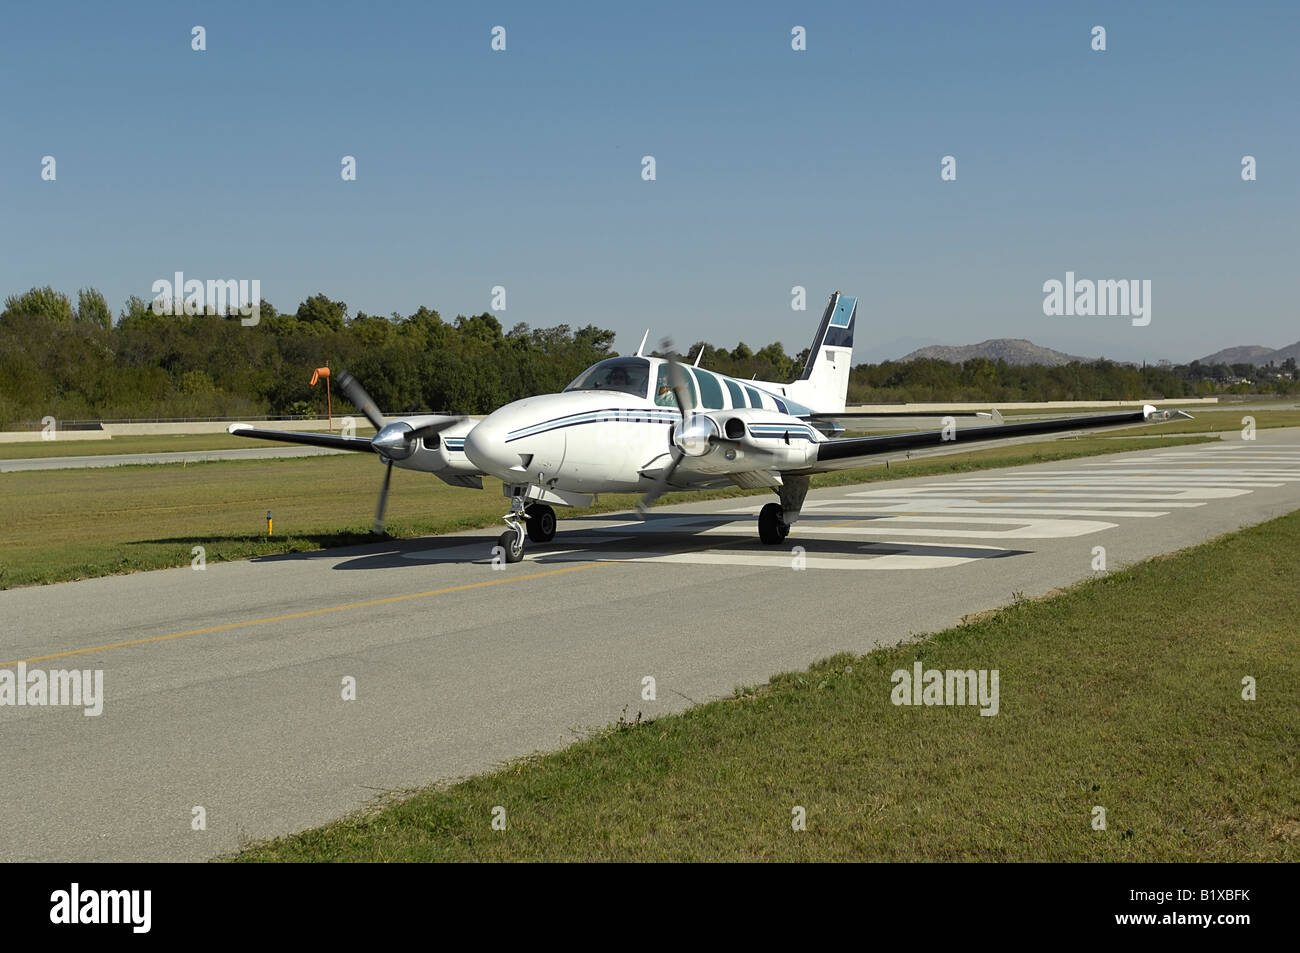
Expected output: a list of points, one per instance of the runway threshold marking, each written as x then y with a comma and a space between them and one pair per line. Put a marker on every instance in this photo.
869, 519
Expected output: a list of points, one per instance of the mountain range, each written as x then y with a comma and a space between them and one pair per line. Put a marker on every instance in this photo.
1011, 350
1253, 354
1021, 351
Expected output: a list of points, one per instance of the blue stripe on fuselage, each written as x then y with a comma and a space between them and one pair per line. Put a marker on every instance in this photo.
628, 415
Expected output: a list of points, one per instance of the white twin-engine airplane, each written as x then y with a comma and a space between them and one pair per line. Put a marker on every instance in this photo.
647, 424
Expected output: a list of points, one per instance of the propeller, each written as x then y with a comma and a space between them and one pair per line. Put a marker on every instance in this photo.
395, 441
690, 436
378, 528
354, 392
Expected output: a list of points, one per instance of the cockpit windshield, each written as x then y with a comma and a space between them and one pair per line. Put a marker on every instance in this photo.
631, 375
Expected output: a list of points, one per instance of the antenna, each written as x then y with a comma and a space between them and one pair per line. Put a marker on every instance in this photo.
641, 347
698, 356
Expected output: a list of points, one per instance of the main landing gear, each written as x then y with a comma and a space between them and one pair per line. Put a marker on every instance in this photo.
535, 519
774, 519
541, 522
772, 527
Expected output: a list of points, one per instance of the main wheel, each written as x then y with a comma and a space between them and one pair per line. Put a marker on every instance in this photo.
771, 527
512, 545
541, 523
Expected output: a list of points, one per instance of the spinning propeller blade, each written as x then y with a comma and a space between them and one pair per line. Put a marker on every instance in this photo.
393, 441
354, 392
378, 528
677, 381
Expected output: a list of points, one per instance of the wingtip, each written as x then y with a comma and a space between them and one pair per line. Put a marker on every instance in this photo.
235, 428
1152, 413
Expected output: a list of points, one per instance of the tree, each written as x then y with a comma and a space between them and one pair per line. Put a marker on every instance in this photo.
93, 309
371, 331
136, 311
776, 358
45, 302
318, 314
480, 327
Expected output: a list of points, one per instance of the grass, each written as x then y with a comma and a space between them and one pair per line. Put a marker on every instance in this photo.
1225, 420
147, 443
59, 525
1123, 692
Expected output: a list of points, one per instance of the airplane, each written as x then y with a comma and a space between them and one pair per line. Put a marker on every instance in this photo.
644, 424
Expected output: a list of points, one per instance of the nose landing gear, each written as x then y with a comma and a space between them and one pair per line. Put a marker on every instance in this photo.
512, 540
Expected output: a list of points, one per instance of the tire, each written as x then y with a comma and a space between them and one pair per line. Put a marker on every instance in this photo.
511, 545
541, 523
771, 527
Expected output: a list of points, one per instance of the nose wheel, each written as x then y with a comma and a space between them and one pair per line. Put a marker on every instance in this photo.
512, 540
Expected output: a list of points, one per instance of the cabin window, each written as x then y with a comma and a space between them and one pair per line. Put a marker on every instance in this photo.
710, 390
664, 390
737, 397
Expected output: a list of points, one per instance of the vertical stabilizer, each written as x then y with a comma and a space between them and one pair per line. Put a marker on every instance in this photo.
824, 383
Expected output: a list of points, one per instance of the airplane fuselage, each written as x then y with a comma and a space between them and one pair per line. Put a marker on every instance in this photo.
603, 437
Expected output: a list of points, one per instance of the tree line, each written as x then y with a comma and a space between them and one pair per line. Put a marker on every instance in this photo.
74, 360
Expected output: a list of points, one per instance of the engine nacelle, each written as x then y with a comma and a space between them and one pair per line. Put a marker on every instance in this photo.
756, 439
442, 453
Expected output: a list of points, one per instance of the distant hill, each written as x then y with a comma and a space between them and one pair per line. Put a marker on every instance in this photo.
871, 352
1011, 350
1249, 354
1253, 354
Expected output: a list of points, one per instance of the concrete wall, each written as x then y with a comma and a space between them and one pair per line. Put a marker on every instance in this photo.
108, 431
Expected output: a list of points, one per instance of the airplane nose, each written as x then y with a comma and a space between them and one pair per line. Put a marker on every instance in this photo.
485, 447
509, 445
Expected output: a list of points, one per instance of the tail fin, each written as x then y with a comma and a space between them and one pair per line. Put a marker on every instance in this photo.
824, 383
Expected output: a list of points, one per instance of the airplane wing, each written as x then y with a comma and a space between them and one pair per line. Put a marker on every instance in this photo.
886, 414
832, 424
333, 441
851, 451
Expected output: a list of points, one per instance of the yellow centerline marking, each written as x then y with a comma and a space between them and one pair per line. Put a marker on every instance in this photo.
307, 614
343, 608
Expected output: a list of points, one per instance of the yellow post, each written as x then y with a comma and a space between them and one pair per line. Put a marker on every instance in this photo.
268, 522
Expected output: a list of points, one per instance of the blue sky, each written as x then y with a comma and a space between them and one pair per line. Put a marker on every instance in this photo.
775, 168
